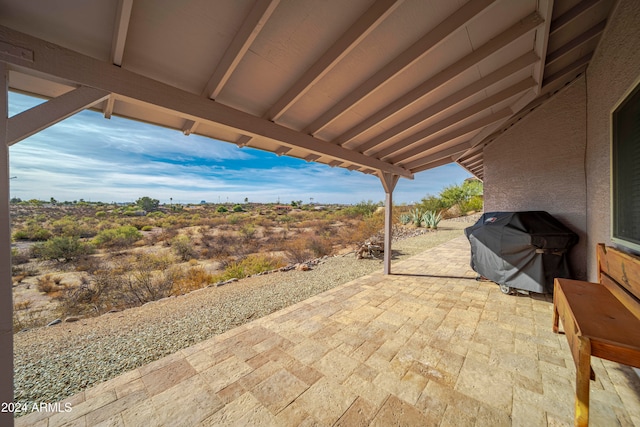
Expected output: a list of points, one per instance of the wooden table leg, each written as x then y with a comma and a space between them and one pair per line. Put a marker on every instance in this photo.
583, 376
556, 316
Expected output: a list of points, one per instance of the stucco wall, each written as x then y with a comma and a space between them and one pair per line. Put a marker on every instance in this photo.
612, 72
538, 164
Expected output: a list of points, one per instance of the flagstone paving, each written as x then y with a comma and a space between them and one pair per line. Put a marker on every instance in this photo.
426, 346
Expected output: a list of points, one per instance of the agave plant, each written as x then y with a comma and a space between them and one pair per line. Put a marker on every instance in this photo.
416, 217
431, 219
405, 219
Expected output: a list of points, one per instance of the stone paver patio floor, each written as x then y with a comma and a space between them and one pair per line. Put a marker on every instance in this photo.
426, 346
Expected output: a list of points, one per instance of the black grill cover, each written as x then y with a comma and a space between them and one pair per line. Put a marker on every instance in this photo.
522, 250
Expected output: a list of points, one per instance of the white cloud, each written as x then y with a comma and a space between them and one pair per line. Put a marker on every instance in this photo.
89, 157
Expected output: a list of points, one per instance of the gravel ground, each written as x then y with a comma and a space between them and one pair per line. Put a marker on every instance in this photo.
53, 363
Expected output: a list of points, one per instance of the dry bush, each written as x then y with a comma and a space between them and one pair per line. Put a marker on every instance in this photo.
365, 229
190, 280
25, 317
297, 249
320, 246
253, 264
48, 284
183, 247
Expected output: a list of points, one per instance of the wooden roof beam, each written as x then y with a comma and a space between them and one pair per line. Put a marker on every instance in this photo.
416, 51
459, 116
369, 21
251, 27
583, 38
447, 74
447, 153
33, 120
564, 19
434, 164
59, 63
121, 27
434, 143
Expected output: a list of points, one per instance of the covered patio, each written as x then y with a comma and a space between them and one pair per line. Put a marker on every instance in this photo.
520, 94
428, 345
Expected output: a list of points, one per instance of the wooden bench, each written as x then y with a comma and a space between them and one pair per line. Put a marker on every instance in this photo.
600, 319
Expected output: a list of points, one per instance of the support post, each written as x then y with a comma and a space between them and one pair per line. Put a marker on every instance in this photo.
6, 294
389, 182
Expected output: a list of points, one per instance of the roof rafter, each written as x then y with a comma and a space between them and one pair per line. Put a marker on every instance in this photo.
477, 86
121, 27
564, 19
33, 120
458, 132
438, 155
416, 51
251, 27
434, 164
63, 64
583, 38
349, 40
459, 116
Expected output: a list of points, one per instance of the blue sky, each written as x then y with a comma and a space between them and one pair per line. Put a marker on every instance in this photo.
89, 157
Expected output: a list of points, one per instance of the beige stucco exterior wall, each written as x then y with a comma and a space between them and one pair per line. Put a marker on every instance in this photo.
558, 157
612, 72
538, 164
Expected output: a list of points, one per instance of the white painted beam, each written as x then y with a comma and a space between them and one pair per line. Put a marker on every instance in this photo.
447, 154
108, 108
541, 42
243, 141
6, 290
251, 27
416, 51
574, 67
458, 132
60, 63
121, 27
33, 120
483, 52
189, 127
341, 48
561, 21
578, 41
434, 164
449, 121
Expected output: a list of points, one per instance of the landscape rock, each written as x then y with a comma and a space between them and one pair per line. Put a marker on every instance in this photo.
54, 322
71, 319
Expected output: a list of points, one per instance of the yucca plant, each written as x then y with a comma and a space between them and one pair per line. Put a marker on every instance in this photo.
431, 219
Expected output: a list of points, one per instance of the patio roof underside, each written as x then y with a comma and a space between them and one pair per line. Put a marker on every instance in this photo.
376, 86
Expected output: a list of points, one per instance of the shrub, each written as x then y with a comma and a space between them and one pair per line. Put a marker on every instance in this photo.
19, 256
147, 228
183, 248
297, 250
48, 284
148, 204
222, 209
320, 246
101, 214
194, 278
117, 237
156, 214
32, 231
62, 248
238, 208
251, 265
